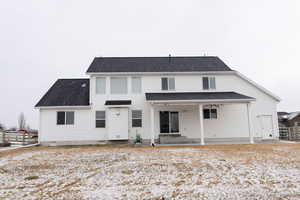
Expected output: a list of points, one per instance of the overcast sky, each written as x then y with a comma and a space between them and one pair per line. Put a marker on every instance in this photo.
41, 41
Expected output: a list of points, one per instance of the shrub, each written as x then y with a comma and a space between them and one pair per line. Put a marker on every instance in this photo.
31, 177
138, 138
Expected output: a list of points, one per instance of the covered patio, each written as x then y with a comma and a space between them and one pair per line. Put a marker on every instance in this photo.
200, 117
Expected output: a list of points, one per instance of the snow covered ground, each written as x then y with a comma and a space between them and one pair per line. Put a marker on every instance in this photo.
262, 171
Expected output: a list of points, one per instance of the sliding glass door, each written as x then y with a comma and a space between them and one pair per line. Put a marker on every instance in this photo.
169, 122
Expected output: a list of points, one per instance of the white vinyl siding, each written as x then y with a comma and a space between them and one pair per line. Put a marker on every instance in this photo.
118, 85
136, 85
100, 85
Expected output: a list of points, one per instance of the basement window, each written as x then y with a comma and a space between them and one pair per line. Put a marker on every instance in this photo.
65, 118
100, 119
210, 113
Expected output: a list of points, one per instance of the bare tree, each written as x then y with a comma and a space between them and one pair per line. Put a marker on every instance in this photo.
22, 121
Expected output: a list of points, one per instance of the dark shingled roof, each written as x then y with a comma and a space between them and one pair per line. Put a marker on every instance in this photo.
157, 64
195, 96
117, 102
67, 92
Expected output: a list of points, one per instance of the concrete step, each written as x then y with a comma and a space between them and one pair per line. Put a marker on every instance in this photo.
174, 139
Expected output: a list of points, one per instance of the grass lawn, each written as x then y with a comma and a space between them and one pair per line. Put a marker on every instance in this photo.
260, 171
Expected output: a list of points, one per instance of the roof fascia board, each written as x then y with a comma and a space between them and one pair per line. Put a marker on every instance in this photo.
264, 90
63, 107
117, 106
204, 101
160, 73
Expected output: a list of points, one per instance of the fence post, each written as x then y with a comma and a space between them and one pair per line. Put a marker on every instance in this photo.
294, 133
23, 142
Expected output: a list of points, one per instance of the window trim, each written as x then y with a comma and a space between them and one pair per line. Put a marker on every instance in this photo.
209, 110
209, 82
168, 83
98, 119
133, 118
65, 118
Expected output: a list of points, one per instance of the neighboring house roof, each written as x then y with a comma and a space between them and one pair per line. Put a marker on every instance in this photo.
287, 116
292, 115
196, 96
117, 102
67, 92
157, 64
282, 113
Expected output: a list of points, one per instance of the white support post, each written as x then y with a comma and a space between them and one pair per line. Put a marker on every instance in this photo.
250, 123
201, 123
152, 124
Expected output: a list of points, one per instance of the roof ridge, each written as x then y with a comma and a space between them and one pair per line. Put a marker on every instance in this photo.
156, 56
73, 79
157, 64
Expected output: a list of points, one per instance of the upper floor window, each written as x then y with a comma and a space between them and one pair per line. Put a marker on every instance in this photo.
118, 85
63, 118
167, 83
209, 83
136, 85
100, 85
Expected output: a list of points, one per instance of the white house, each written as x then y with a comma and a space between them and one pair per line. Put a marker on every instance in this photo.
162, 99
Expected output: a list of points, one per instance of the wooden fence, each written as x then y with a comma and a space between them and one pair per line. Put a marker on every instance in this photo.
289, 133
17, 138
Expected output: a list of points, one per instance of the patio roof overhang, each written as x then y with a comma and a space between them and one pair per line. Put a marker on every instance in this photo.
118, 103
197, 97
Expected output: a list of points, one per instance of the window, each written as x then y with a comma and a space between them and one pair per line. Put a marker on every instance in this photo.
210, 113
169, 122
100, 85
100, 119
136, 85
136, 118
167, 83
65, 118
118, 85
209, 83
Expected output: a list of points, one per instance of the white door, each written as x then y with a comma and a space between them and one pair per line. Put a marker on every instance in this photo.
118, 124
267, 126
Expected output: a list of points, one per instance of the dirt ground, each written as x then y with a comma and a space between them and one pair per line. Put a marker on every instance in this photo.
260, 171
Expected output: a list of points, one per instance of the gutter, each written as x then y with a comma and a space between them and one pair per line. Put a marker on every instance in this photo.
63, 107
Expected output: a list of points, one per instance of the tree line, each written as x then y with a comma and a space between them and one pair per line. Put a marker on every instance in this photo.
22, 125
